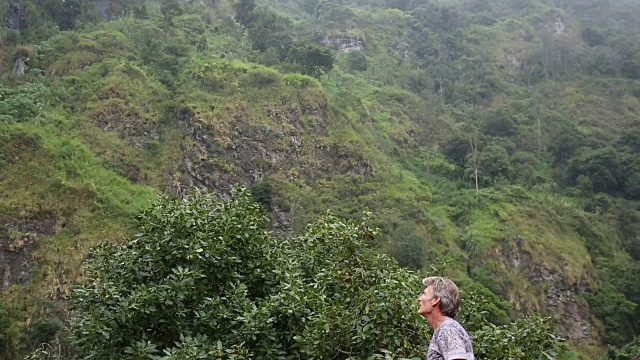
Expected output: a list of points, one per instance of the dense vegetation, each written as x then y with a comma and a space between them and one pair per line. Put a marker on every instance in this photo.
204, 279
501, 137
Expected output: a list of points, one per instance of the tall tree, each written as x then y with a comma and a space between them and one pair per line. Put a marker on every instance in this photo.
315, 59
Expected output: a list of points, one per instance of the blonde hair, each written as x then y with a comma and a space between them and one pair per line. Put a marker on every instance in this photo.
447, 291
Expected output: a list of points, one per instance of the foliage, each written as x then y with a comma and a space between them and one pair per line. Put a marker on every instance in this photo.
43, 330
22, 102
245, 12
171, 9
203, 278
617, 313
601, 166
628, 351
263, 193
271, 31
493, 164
314, 59
65, 13
202, 271
357, 60
300, 81
530, 338
8, 334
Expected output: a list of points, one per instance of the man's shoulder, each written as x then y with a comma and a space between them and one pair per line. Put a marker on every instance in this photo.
451, 324
451, 331
452, 341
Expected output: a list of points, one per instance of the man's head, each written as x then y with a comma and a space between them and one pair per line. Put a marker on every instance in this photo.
440, 294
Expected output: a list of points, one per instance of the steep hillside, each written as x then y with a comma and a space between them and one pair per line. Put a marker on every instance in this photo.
499, 138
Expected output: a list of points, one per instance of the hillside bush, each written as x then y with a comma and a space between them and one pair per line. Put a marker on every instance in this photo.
204, 279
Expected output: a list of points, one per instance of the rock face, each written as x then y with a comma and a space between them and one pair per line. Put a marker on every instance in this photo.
403, 49
255, 151
513, 61
18, 238
344, 42
129, 122
16, 16
20, 65
296, 149
562, 299
559, 27
560, 296
109, 9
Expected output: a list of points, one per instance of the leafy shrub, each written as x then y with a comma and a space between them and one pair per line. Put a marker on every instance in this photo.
630, 350
203, 272
493, 164
263, 193
300, 81
601, 166
314, 59
42, 331
357, 61
617, 314
260, 77
203, 279
7, 334
22, 102
530, 338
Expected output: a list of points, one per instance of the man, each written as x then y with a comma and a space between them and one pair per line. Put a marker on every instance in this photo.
438, 304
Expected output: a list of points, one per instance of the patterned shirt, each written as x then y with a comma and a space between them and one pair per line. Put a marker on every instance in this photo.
450, 341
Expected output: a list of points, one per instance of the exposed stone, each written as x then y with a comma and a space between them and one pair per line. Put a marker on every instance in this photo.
560, 296
218, 156
562, 299
559, 26
18, 239
16, 16
512, 60
126, 121
20, 66
403, 49
109, 9
344, 42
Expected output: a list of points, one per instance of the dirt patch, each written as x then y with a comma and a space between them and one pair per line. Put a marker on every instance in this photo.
18, 239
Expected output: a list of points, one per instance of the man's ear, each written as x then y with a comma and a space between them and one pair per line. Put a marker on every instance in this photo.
436, 302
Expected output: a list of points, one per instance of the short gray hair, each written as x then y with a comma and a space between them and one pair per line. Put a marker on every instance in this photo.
447, 291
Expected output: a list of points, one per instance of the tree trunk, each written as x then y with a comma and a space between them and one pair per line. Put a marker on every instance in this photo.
539, 137
474, 153
476, 174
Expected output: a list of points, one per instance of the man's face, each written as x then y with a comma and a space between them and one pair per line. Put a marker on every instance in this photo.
427, 301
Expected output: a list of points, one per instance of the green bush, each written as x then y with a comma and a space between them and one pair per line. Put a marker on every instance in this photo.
260, 77
629, 351
22, 102
8, 335
357, 61
314, 59
202, 278
530, 338
617, 313
493, 164
300, 81
263, 193
42, 331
